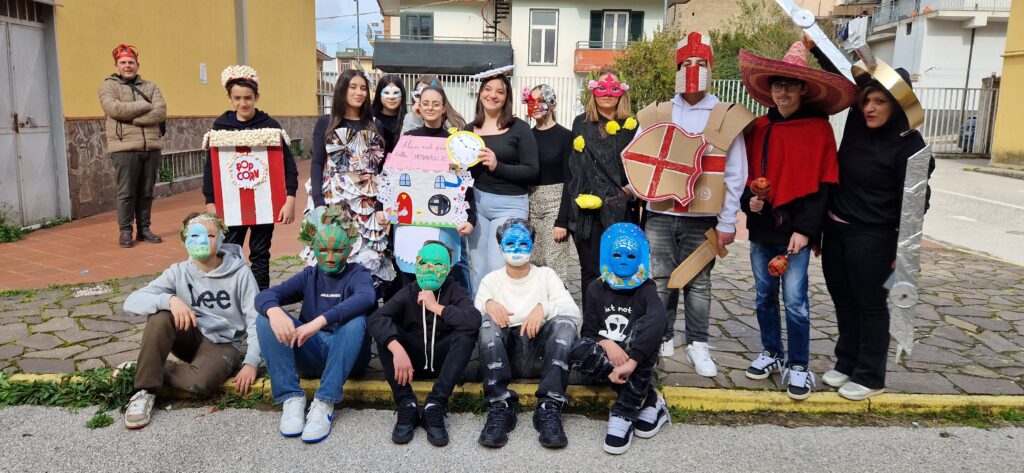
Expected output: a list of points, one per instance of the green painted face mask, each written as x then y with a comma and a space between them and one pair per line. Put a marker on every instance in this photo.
432, 266
332, 246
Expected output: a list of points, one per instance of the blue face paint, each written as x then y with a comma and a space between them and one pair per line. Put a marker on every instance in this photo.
625, 256
517, 245
197, 242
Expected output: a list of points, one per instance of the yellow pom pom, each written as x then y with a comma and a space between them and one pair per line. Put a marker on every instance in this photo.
588, 201
630, 124
578, 144
452, 130
612, 127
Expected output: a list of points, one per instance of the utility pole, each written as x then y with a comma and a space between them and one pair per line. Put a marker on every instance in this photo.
357, 28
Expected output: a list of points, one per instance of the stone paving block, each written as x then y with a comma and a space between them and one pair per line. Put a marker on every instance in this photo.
962, 323
32, 320
975, 385
997, 343
18, 313
1010, 315
989, 323
55, 324
51, 313
41, 366
8, 352
41, 341
57, 353
114, 360
107, 349
76, 336
97, 341
90, 365
93, 310
942, 343
979, 371
691, 380
740, 380
955, 334
1015, 372
105, 325
922, 383
930, 354
11, 332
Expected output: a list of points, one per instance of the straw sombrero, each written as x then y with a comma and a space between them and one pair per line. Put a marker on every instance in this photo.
830, 93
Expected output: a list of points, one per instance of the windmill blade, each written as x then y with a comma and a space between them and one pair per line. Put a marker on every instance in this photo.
805, 20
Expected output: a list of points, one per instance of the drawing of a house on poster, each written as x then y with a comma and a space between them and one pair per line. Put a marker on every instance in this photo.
419, 187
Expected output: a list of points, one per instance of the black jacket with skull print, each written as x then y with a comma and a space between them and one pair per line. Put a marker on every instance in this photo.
633, 318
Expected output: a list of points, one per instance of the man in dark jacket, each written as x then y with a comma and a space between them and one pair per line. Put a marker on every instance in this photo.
135, 109
414, 345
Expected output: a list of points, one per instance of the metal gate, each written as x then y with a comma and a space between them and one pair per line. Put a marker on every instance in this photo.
28, 174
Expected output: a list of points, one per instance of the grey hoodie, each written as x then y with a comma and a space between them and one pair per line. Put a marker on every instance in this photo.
223, 299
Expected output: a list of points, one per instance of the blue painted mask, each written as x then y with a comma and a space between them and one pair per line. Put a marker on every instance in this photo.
197, 242
517, 244
625, 256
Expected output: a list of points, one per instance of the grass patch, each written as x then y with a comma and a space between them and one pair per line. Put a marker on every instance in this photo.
100, 420
6, 293
77, 390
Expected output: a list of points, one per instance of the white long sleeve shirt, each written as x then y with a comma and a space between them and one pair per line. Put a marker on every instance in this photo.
519, 296
693, 119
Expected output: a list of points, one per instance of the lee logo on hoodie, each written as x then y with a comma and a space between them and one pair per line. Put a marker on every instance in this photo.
208, 299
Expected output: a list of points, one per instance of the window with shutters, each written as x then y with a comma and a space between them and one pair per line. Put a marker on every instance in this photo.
614, 29
543, 37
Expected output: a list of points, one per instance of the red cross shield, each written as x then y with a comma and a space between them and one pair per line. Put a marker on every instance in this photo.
663, 162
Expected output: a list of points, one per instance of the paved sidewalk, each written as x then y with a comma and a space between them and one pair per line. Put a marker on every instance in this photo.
970, 327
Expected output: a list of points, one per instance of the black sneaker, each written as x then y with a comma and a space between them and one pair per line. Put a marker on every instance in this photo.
547, 419
433, 421
799, 382
764, 366
501, 420
620, 435
650, 419
405, 426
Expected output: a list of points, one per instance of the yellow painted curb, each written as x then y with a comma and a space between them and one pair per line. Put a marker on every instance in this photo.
693, 399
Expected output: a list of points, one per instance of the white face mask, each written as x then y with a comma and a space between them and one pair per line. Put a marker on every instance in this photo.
391, 92
516, 259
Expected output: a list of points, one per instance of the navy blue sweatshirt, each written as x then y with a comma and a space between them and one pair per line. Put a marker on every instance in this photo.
339, 298
229, 121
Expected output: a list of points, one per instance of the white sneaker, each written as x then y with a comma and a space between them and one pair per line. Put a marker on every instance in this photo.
318, 422
293, 416
700, 357
138, 412
834, 378
856, 392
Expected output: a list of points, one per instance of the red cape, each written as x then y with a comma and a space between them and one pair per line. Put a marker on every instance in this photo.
801, 155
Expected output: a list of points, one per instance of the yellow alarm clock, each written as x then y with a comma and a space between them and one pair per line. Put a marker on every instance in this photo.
464, 148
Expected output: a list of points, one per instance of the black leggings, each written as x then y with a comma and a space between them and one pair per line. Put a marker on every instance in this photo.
856, 262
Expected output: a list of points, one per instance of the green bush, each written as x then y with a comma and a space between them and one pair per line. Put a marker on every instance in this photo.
9, 231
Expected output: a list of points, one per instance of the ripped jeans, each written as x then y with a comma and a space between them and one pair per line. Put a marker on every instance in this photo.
590, 360
504, 353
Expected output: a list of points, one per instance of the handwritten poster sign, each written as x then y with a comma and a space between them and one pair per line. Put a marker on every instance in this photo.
419, 152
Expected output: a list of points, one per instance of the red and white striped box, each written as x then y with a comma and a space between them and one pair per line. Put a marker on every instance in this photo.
248, 181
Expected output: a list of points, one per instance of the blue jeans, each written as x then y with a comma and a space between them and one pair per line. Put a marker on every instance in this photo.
492, 210
329, 356
794, 296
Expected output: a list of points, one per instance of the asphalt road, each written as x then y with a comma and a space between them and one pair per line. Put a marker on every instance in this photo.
975, 211
53, 439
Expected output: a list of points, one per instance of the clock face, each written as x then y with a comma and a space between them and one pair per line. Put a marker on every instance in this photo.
464, 148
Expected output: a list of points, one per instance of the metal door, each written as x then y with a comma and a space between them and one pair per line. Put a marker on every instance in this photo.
28, 178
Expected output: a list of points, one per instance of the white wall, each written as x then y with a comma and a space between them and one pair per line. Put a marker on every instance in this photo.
450, 19
573, 26
944, 53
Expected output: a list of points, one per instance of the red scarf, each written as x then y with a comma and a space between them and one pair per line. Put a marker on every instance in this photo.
801, 155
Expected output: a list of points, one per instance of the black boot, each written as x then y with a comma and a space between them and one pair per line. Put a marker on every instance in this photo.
501, 420
125, 239
433, 421
405, 426
547, 419
145, 235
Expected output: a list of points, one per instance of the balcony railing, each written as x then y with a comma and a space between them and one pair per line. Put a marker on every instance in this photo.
392, 38
591, 56
890, 13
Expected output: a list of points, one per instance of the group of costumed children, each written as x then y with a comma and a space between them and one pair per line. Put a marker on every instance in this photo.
518, 315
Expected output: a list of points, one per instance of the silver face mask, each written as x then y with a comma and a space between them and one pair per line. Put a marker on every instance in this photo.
391, 92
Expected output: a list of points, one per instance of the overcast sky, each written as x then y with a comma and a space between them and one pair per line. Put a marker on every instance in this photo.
340, 33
